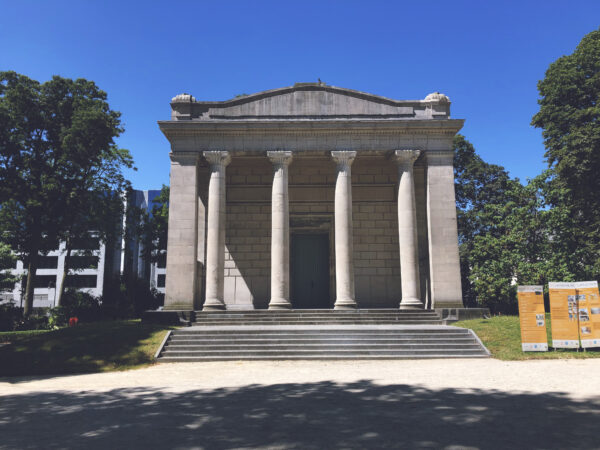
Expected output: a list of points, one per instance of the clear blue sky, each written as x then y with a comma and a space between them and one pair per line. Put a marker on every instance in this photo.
486, 56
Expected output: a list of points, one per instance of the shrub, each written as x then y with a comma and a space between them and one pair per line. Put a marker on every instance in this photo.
130, 297
32, 322
78, 304
10, 315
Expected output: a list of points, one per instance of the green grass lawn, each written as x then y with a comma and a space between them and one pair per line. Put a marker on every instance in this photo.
93, 347
502, 336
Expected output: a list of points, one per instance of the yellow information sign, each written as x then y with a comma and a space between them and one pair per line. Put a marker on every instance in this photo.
589, 313
563, 312
532, 318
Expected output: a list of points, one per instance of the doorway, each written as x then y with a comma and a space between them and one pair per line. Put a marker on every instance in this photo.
309, 271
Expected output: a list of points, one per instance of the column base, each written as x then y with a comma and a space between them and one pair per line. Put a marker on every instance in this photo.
279, 303
411, 303
213, 305
345, 304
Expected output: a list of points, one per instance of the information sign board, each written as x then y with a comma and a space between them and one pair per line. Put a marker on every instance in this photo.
589, 313
532, 318
563, 313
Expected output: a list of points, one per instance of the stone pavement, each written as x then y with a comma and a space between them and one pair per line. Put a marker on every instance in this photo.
447, 404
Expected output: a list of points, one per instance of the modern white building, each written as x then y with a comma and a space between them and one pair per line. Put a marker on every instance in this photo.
102, 261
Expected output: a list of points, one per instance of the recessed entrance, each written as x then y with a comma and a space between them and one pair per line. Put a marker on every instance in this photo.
309, 271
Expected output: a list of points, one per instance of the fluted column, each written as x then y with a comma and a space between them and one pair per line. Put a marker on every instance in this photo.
407, 230
280, 231
344, 248
215, 239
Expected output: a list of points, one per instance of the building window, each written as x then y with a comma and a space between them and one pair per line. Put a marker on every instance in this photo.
84, 262
7, 286
86, 243
47, 262
160, 281
81, 281
43, 281
162, 261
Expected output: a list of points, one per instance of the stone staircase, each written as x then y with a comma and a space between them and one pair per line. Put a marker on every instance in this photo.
319, 317
318, 334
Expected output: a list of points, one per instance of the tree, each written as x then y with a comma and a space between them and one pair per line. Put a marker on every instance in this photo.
569, 116
7, 262
154, 227
477, 184
58, 160
504, 239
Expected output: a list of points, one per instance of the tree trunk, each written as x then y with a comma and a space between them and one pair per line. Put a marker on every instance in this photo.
31, 270
67, 265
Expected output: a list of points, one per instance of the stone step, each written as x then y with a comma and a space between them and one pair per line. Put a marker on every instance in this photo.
274, 348
303, 331
318, 318
315, 322
318, 339
337, 350
320, 311
328, 357
304, 341
325, 317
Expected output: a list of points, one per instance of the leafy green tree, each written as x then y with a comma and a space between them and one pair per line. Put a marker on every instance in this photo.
7, 262
504, 237
477, 184
154, 227
57, 154
569, 117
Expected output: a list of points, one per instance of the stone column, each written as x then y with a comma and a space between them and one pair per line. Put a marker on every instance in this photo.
215, 239
280, 231
344, 248
444, 262
182, 267
407, 230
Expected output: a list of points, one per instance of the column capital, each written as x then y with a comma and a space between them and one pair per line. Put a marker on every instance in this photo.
280, 157
217, 158
343, 158
406, 157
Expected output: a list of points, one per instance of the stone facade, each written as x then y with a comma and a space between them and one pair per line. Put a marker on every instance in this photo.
265, 186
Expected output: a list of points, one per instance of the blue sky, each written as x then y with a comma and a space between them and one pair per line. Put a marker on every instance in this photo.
486, 56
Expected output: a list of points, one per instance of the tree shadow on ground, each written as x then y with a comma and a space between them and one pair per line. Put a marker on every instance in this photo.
86, 348
307, 416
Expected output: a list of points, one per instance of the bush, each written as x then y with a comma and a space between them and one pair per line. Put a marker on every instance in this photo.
32, 322
10, 315
78, 304
130, 297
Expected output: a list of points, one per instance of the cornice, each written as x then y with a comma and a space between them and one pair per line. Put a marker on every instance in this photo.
173, 129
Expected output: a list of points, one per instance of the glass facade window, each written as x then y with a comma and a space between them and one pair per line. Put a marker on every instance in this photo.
47, 262
84, 262
81, 281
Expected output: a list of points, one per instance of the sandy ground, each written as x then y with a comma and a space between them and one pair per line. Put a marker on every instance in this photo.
575, 378
483, 403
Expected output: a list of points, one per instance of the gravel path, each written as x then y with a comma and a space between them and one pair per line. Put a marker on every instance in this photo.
482, 403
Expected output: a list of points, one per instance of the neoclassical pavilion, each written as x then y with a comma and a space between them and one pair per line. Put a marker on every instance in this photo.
312, 196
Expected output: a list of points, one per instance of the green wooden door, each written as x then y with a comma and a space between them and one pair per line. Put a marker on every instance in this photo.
310, 271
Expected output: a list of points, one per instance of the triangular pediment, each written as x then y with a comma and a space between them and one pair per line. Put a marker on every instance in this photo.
303, 100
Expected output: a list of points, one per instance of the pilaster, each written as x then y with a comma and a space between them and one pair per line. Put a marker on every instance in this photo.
181, 282
444, 262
